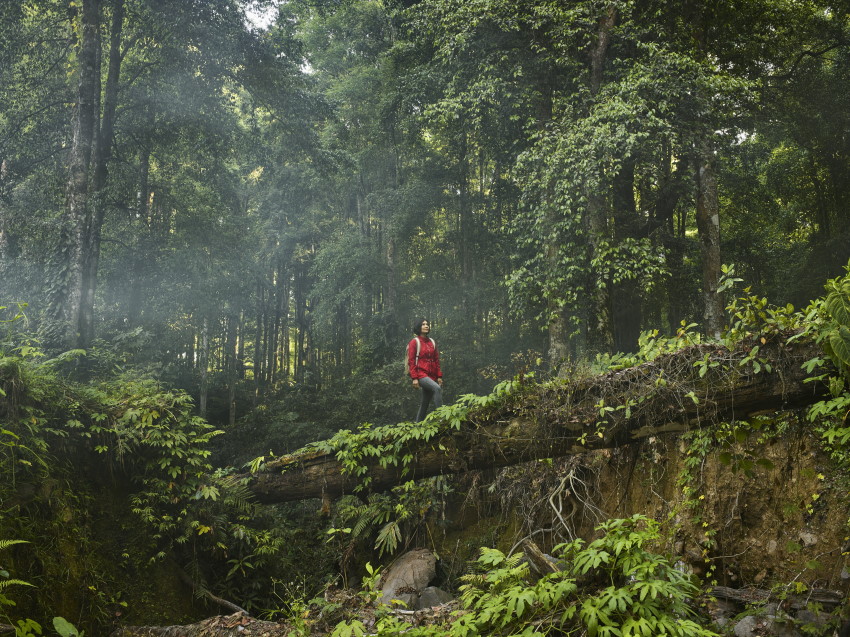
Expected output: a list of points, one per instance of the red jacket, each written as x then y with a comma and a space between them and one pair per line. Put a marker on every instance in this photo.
429, 359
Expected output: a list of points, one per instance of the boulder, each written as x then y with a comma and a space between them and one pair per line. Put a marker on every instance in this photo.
432, 596
406, 578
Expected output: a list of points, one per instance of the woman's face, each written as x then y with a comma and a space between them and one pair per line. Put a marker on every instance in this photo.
425, 328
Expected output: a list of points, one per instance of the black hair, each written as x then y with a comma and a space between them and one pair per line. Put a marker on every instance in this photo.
417, 326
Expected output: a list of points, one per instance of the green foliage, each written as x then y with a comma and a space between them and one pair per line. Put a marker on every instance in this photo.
131, 433
612, 586
27, 626
651, 345
829, 325
833, 313
66, 628
387, 445
391, 518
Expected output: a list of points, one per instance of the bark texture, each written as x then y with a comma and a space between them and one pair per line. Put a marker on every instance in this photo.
667, 394
69, 296
708, 228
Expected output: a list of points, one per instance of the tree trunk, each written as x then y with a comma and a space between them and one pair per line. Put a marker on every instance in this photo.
300, 324
708, 228
670, 191
599, 328
142, 252
285, 358
68, 297
279, 290
240, 346
102, 154
557, 322
259, 343
204, 363
5, 255
626, 296
558, 325
664, 395
230, 366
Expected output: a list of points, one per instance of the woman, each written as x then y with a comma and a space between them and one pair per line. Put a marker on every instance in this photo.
423, 363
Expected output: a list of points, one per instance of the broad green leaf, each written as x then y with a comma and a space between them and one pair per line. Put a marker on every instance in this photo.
840, 343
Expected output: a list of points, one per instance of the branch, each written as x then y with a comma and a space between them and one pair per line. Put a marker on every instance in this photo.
213, 598
804, 54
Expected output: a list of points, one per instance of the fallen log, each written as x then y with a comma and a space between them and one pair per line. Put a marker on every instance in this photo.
752, 596
697, 386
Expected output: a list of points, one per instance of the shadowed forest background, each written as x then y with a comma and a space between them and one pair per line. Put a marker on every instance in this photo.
253, 208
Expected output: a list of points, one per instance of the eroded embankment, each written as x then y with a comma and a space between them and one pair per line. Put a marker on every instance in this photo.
753, 505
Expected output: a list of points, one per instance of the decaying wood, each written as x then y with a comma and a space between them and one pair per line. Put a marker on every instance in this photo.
666, 394
827, 598
221, 626
541, 564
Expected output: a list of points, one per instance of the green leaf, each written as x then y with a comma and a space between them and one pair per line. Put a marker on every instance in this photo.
65, 628
840, 343
837, 303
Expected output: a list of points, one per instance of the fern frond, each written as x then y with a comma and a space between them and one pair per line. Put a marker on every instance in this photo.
4, 544
389, 538
237, 495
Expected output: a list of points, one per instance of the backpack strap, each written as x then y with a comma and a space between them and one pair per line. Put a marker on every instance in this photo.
419, 347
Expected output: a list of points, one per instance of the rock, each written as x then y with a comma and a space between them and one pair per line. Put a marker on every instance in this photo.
432, 596
813, 618
405, 578
782, 627
756, 625
746, 627
808, 539
772, 546
845, 574
769, 609
722, 611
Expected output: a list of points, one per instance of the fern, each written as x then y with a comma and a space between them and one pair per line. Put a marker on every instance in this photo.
4, 544
9, 582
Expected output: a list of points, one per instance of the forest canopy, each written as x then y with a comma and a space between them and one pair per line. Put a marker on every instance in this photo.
252, 209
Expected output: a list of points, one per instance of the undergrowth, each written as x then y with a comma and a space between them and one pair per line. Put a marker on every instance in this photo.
614, 586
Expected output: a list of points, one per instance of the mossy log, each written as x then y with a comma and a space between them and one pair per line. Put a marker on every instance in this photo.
697, 386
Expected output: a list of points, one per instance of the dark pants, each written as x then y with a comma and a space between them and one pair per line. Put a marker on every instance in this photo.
430, 389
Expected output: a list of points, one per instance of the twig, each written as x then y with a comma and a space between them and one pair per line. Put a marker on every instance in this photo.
205, 593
